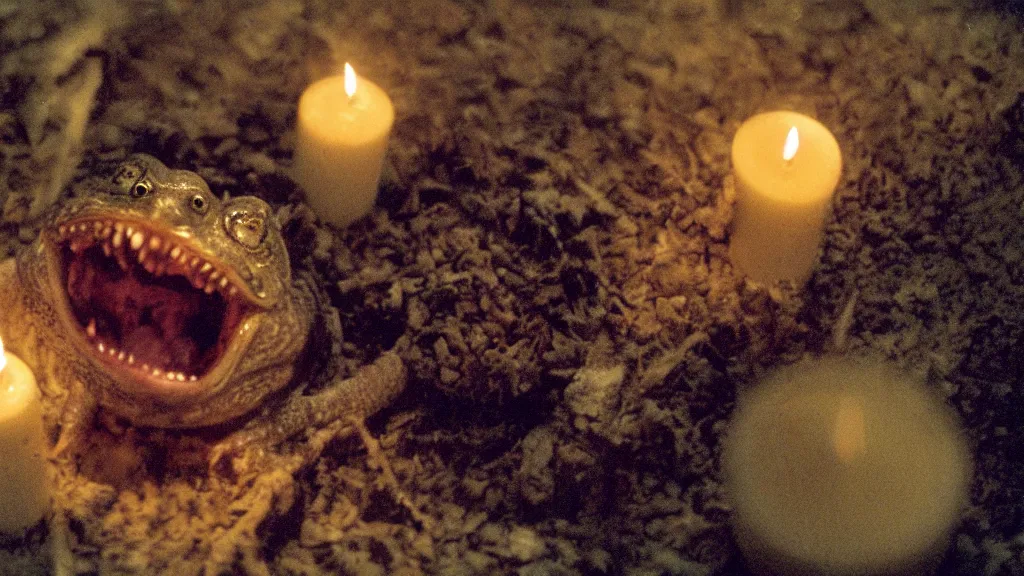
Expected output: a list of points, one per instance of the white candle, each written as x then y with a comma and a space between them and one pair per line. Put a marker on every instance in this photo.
23, 495
342, 134
786, 167
842, 467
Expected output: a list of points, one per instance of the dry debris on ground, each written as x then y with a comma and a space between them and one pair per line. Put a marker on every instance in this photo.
550, 252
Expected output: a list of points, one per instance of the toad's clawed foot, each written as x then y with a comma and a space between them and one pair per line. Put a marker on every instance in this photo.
371, 388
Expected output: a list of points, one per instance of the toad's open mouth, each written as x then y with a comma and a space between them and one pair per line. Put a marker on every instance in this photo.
149, 305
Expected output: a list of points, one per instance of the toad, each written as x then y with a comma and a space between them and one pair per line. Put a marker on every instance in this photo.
147, 296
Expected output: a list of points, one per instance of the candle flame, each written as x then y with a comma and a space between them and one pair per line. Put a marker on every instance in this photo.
3, 357
350, 80
792, 143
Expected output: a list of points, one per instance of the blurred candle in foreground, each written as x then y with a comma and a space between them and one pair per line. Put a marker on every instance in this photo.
786, 167
843, 467
23, 495
342, 134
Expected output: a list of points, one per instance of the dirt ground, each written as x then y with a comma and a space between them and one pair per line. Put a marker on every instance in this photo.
549, 255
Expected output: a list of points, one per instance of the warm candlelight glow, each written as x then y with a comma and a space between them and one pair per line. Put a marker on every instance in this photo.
848, 433
25, 496
792, 143
843, 466
350, 80
782, 202
341, 139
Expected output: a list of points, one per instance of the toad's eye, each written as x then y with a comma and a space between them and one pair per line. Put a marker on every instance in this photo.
247, 228
199, 204
140, 189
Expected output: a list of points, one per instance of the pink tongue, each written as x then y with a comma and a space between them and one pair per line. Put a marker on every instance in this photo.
171, 313
145, 343
184, 351
147, 346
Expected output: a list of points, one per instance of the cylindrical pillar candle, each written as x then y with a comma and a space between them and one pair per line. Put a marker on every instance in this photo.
844, 467
786, 166
342, 134
24, 498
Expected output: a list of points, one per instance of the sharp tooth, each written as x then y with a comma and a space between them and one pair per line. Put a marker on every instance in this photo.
175, 252
194, 262
142, 255
119, 226
157, 372
112, 352
154, 242
198, 282
192, 378
223, 283
97, 227
63, 230
209, 288
180, 377
137, 239
213, 276
206, 267
149, 265
91, 328
107, 231
76, 245
119, 256
101, 347
131, 359
107, 249
121, 355
73, 228
129, 231
232, 291
145, 367
170, 375
118, 238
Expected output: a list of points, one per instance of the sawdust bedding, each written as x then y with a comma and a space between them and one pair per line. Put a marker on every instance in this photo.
549, 252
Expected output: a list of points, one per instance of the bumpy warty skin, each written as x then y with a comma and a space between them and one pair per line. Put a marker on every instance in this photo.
234, 252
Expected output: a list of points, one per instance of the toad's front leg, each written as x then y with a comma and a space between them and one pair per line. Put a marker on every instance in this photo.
76, 418
372, 388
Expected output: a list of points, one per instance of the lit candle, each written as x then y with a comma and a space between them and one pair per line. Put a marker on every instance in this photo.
786, 167
840, 466
23, 495
342, 134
